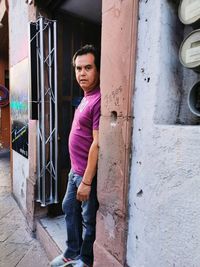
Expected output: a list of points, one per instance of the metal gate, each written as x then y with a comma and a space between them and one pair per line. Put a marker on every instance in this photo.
43, 64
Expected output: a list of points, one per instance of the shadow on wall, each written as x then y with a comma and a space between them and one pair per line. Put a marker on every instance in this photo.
174, 81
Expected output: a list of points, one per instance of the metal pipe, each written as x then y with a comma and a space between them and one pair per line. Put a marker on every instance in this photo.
56, 111
50, 107
42, 89
38, 109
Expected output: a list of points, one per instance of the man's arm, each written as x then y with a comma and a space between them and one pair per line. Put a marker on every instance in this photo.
83, 189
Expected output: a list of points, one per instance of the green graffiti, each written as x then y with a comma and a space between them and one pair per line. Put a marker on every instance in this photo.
21, 106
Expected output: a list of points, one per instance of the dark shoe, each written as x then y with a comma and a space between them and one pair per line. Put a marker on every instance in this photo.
61, 261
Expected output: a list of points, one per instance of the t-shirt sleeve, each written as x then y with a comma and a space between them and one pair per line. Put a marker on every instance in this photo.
96, 114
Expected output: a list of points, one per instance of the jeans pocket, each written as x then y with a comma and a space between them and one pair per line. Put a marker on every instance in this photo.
70, 175
77, 179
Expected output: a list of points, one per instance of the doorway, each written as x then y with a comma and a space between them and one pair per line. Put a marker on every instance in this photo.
4, 85
5, 171
78, 23
74, 31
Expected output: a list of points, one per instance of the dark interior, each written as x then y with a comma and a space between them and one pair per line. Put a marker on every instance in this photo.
73, 32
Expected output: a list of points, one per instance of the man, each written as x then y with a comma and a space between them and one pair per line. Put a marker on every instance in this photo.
80, 202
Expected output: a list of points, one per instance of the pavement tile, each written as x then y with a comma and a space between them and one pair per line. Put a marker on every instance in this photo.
12, 253
20, 236
4, 189
4, 211
34, 257
4, 195
17, 247
6, 230
10, 209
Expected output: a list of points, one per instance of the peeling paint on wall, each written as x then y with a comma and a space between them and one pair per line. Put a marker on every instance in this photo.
164, 192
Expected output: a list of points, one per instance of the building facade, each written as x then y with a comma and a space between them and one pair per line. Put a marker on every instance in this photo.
164, 180
148, 160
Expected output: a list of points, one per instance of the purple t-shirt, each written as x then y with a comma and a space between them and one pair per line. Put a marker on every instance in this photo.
86, 119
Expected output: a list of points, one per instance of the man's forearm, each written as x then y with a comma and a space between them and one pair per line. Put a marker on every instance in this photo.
92, 163
84, 188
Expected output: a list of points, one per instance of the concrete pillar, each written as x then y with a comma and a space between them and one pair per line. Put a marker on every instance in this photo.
119, 24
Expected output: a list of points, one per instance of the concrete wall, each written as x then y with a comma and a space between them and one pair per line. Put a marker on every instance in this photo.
164, 191
18, 56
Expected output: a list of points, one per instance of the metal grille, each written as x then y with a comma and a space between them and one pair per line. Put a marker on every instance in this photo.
43, 55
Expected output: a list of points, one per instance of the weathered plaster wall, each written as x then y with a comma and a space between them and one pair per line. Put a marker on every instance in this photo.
18, 31
119, 24
18, 58
20, 174
164, 184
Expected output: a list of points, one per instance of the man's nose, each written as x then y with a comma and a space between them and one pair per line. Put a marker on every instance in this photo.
82, 71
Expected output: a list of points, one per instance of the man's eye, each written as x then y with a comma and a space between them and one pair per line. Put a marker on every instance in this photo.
88, 67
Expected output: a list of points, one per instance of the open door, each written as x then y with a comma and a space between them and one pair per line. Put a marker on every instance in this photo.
73, 32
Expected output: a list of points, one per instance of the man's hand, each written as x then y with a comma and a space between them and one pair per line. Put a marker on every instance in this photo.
84, 188
83, 192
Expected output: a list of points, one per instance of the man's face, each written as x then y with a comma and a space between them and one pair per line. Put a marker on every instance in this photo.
86, 72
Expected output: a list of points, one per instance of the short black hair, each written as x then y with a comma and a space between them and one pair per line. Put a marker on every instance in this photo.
86, 49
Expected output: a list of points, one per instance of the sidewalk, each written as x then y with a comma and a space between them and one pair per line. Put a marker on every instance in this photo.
17, 247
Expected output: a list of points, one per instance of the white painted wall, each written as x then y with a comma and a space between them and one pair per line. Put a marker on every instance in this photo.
19, 86
164, 197
18, 31
20, 174
19, 73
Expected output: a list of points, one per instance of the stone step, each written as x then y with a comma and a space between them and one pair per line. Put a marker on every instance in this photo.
52, 234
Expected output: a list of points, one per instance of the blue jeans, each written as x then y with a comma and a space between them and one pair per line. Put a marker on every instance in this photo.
79, 215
